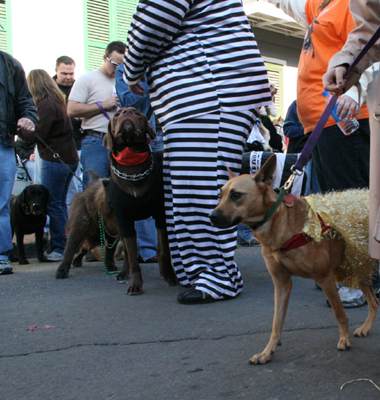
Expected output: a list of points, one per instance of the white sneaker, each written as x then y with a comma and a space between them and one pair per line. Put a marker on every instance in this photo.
351, 297
5, 267
54, 256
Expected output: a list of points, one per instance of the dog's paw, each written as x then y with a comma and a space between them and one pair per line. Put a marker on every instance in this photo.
23, 261
111, 267
60, 274
122, 276
77, 264
362, 331
134, 290
261, 358
43, 259
344, 344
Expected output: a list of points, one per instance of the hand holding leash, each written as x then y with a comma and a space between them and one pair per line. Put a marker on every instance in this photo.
111, 103
333, 80
25, 124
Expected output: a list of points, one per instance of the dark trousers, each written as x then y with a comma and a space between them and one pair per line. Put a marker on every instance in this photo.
342, 162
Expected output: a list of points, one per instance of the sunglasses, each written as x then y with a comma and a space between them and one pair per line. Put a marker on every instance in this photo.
113, 63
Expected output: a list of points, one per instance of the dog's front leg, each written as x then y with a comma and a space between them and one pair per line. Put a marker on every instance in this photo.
329, 287
39, 234
20, 249
124, 273
73, 245
109, 257
135, 286
164, 258
282, 288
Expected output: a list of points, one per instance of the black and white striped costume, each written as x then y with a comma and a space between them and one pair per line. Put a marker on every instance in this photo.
205, 78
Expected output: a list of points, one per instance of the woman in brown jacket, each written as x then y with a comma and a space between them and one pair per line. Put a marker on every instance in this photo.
366, 14
55, 129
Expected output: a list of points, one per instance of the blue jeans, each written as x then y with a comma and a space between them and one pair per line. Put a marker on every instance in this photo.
56, 177
146, 229
244, 234
94, 156
158, 143
75, 185
146, 238
342, 162
312, 183
7, 179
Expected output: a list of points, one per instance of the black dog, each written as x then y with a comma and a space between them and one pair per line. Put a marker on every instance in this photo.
28, 215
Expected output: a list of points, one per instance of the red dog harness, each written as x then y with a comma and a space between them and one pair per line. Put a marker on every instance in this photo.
302, 238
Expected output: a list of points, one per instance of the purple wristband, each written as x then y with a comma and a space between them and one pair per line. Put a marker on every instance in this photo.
103, 110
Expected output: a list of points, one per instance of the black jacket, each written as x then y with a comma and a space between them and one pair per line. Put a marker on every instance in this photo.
16, 100
78, 133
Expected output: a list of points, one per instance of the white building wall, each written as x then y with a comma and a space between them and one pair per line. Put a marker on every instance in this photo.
43, 30
289, 87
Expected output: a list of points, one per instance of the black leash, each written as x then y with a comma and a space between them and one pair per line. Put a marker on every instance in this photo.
58, 157
26, 171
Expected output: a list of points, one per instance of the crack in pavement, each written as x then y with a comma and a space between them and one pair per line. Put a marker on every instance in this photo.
122, 344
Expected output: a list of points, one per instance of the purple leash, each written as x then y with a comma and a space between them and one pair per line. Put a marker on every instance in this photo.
315, 135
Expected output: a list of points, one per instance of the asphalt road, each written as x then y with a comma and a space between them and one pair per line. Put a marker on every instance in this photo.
95, 342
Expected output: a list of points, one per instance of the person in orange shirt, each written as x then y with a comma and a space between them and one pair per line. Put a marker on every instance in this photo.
342, 162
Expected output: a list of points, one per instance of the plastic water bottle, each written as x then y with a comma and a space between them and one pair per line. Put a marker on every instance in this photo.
114, 93
346, 125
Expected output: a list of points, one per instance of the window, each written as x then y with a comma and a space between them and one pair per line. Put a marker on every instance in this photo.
105, 21
5, 42
275, 74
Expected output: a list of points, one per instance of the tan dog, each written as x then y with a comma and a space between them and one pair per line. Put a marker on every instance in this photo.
136, 189
246, 199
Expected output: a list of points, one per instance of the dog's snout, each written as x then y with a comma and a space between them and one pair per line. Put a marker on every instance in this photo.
36, 208
214, 217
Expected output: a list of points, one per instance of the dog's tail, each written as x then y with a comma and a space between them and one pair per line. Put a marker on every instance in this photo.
94, 176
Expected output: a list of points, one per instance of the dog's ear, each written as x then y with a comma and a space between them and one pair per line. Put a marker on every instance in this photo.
150, 131
265, 175
108, 137
230, 173
24, 196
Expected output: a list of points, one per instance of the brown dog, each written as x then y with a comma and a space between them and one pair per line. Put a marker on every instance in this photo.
136, 189
246, 199
83, 228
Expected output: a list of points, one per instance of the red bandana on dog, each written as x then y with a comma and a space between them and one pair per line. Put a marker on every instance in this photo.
130, 158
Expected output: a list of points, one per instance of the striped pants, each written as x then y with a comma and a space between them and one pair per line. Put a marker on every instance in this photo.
197, 153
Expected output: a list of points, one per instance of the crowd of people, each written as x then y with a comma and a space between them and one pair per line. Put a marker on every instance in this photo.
201, 87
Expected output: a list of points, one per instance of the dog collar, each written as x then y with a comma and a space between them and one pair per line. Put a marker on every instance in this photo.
271, 211
134, 177
301, 239
130, 158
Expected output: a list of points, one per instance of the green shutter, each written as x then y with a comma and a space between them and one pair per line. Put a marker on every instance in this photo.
97, 31
275, 74
124, 13
105, 21
3, 23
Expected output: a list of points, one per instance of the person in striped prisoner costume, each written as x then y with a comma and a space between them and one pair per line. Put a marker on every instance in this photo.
205, 76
